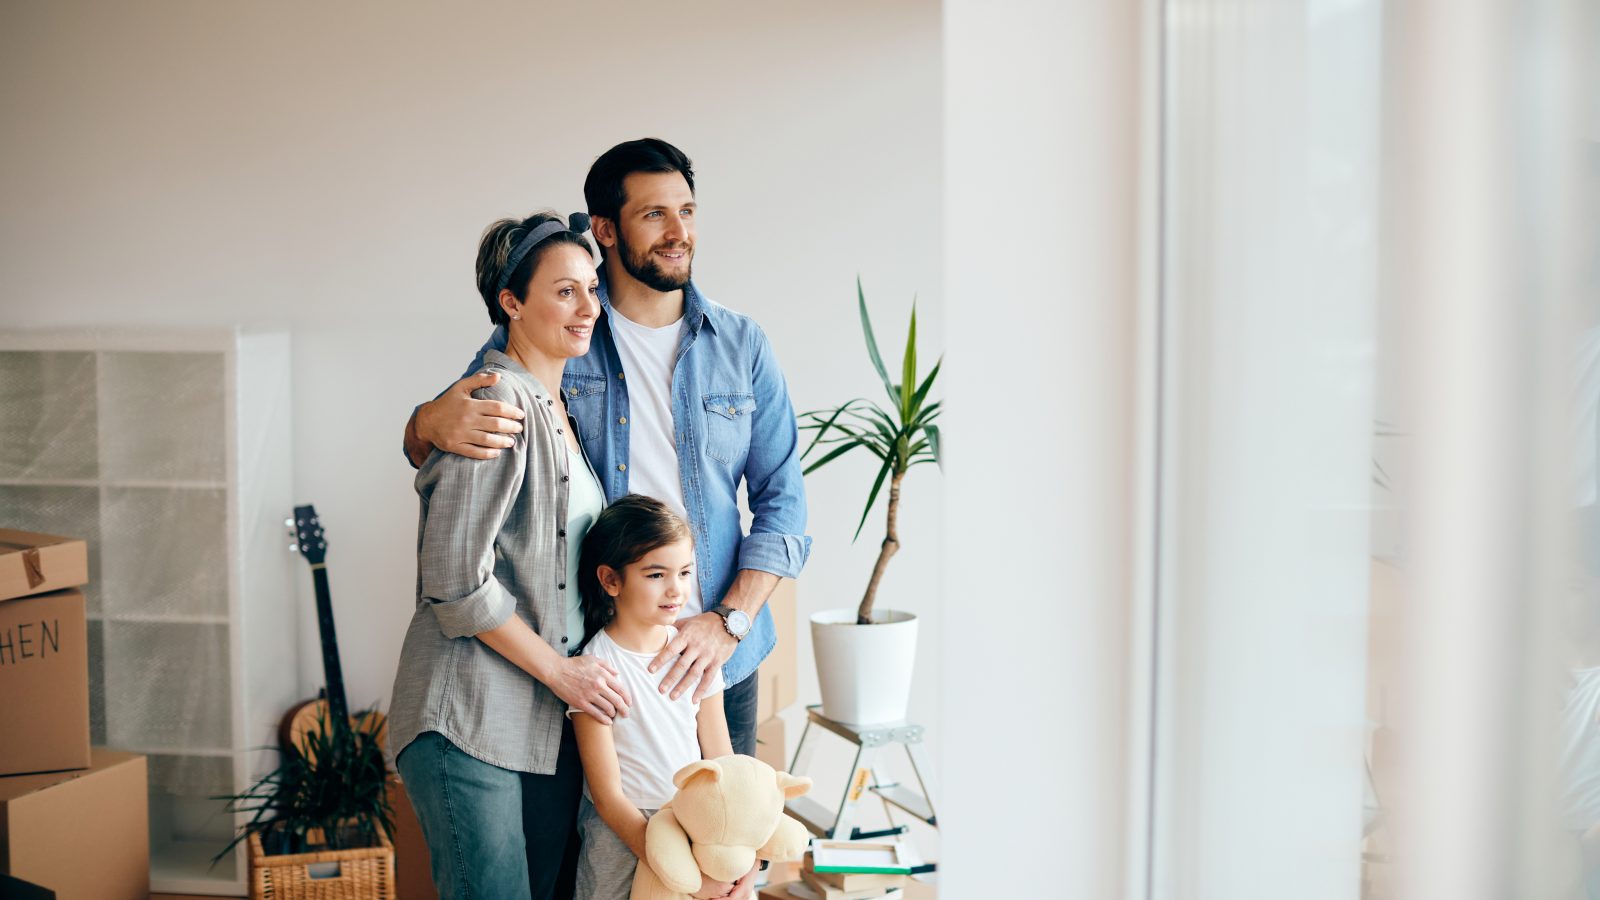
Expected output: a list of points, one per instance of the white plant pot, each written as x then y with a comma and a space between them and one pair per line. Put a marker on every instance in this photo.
865, 670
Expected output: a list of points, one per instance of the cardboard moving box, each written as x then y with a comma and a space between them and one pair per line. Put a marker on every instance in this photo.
84, 835
777, 688
770, 747
40, 563
44, 683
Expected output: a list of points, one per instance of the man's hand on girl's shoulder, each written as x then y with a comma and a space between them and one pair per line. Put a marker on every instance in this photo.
702, 646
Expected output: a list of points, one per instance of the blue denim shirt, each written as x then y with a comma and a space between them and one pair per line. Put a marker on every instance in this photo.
733, 418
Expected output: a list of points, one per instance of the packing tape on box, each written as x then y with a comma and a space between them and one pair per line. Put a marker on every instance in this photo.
33, 566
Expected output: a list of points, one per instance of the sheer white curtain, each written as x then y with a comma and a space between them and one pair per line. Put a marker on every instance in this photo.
1269, 270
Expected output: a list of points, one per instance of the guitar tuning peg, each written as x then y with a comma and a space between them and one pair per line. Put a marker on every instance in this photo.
288, 523
293, 547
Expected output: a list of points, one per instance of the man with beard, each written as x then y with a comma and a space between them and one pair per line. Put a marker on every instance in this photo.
678, 398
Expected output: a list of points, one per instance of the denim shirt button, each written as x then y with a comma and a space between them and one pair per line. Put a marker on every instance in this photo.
622, 467
622, 420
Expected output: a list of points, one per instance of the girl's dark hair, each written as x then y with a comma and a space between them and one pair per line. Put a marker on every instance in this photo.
494, 249
620, 536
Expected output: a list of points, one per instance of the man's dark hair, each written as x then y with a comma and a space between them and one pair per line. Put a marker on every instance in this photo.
602, 190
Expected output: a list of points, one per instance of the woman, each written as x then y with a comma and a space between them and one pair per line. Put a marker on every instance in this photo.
478, 716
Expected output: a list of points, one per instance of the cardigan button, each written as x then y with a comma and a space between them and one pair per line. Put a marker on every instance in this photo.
561, 532
563, 640
562, 586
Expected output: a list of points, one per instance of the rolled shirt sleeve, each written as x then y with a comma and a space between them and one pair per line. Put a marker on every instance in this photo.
784, 555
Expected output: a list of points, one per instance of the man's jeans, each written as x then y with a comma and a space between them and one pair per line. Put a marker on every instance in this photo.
739, 708
494, 834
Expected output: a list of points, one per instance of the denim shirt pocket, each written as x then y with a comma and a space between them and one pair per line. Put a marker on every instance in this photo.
585, 396
728, 416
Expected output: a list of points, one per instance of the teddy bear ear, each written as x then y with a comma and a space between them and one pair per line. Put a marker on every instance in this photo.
695, 768
793, 785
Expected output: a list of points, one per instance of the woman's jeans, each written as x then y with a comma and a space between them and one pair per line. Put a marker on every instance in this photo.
495, 834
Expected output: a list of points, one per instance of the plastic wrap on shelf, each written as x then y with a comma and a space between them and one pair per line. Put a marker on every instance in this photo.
141, 388
166, 552
167, 685
47, 402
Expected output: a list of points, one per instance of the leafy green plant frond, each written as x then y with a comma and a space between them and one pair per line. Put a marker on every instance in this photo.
872, 344
335, 786
899, 436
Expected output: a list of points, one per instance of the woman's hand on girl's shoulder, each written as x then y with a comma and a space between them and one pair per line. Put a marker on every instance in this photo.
591, 685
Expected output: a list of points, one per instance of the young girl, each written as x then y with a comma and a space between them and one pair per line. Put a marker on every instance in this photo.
636, 568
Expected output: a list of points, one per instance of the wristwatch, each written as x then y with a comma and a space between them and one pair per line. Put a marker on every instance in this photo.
736, 621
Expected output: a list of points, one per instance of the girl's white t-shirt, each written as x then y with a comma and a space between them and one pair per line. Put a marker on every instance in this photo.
659, 735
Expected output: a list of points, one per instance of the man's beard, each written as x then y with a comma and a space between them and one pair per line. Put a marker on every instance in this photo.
643, 266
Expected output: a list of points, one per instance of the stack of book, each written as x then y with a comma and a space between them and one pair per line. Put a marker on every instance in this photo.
855, 870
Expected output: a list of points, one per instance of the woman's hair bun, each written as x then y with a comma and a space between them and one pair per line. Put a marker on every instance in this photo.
578, 222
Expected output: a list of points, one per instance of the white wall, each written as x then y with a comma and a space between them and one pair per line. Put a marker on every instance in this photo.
328, 168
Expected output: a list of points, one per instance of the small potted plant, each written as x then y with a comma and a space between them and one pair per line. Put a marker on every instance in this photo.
865, 656
321, 825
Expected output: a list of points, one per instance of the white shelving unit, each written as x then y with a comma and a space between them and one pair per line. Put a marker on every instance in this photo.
170, 453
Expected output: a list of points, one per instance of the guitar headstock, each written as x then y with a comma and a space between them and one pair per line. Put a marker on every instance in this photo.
306, 529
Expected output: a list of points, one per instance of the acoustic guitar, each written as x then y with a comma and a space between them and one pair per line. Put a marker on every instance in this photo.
330, 704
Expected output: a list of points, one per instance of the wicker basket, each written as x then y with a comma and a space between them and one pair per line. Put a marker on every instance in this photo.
365, 873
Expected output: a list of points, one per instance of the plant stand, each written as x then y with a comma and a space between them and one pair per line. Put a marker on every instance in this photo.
362, 873
870, 741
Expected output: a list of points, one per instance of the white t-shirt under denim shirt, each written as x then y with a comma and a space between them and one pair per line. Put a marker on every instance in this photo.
648, 356
659, 735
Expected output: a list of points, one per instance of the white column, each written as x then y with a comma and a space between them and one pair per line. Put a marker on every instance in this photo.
1042, 146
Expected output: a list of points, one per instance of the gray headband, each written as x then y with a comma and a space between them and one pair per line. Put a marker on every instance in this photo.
577, 223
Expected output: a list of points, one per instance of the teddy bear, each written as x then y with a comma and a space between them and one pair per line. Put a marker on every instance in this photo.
726, 814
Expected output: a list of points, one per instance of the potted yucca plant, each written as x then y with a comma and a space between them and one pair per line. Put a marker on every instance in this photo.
321, 825
865, 656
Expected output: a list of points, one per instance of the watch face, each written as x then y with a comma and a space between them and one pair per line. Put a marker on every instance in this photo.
738, 622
